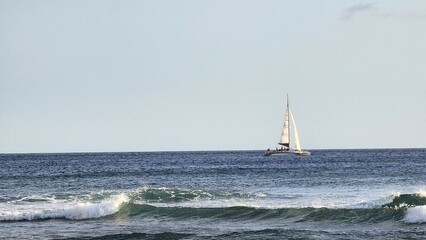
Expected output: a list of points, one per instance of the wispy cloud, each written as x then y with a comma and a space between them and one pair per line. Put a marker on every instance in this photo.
350, 12
373, 10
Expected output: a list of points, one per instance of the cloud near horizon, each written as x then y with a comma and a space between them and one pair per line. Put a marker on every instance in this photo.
349, 12
372, 8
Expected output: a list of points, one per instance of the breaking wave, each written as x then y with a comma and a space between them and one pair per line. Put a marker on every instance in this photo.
187, 204
407, 200
66, 210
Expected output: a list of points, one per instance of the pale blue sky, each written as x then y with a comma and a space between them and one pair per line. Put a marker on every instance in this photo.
210, 75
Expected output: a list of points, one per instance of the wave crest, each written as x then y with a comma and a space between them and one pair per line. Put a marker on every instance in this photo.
74, 211
407, 200
176, 195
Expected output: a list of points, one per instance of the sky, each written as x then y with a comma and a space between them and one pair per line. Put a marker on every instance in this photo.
105, 76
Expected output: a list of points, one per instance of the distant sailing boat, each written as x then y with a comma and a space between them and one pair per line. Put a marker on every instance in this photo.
285, 138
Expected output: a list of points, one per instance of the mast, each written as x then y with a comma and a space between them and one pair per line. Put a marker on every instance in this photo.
285, 134
288, 123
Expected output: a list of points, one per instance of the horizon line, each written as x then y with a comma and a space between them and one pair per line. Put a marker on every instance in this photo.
229, 150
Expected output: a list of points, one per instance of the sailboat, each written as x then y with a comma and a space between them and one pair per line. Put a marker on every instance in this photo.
285, 138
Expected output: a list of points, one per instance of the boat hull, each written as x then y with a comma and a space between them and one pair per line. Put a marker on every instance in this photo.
284, 152
304, 153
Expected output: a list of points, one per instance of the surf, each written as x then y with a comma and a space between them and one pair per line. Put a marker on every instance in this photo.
184, 204
65, 210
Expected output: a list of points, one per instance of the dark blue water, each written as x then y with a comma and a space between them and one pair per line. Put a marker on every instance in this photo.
338, 194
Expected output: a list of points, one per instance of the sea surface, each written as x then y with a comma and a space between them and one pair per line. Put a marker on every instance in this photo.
332, 194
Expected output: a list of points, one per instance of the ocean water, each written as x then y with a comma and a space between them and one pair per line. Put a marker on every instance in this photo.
332, 194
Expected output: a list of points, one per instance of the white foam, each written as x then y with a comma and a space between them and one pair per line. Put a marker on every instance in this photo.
421, 193
415, 215
67, 210
273, 203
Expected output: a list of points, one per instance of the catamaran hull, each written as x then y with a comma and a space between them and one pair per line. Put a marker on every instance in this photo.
304, 153
274, 152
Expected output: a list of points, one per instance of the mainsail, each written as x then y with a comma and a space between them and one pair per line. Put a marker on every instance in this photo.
285, 134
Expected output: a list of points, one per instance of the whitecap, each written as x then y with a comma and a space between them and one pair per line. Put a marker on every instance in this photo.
67, 210
415, 215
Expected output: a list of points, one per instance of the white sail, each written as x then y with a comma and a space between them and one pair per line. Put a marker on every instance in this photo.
296, 135
285, 134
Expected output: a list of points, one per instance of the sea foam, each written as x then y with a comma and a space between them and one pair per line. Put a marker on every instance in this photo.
415, 215
67, 210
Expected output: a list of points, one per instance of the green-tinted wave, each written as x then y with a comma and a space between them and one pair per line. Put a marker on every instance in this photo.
407, 200
170, 195
161, 202
249, 213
